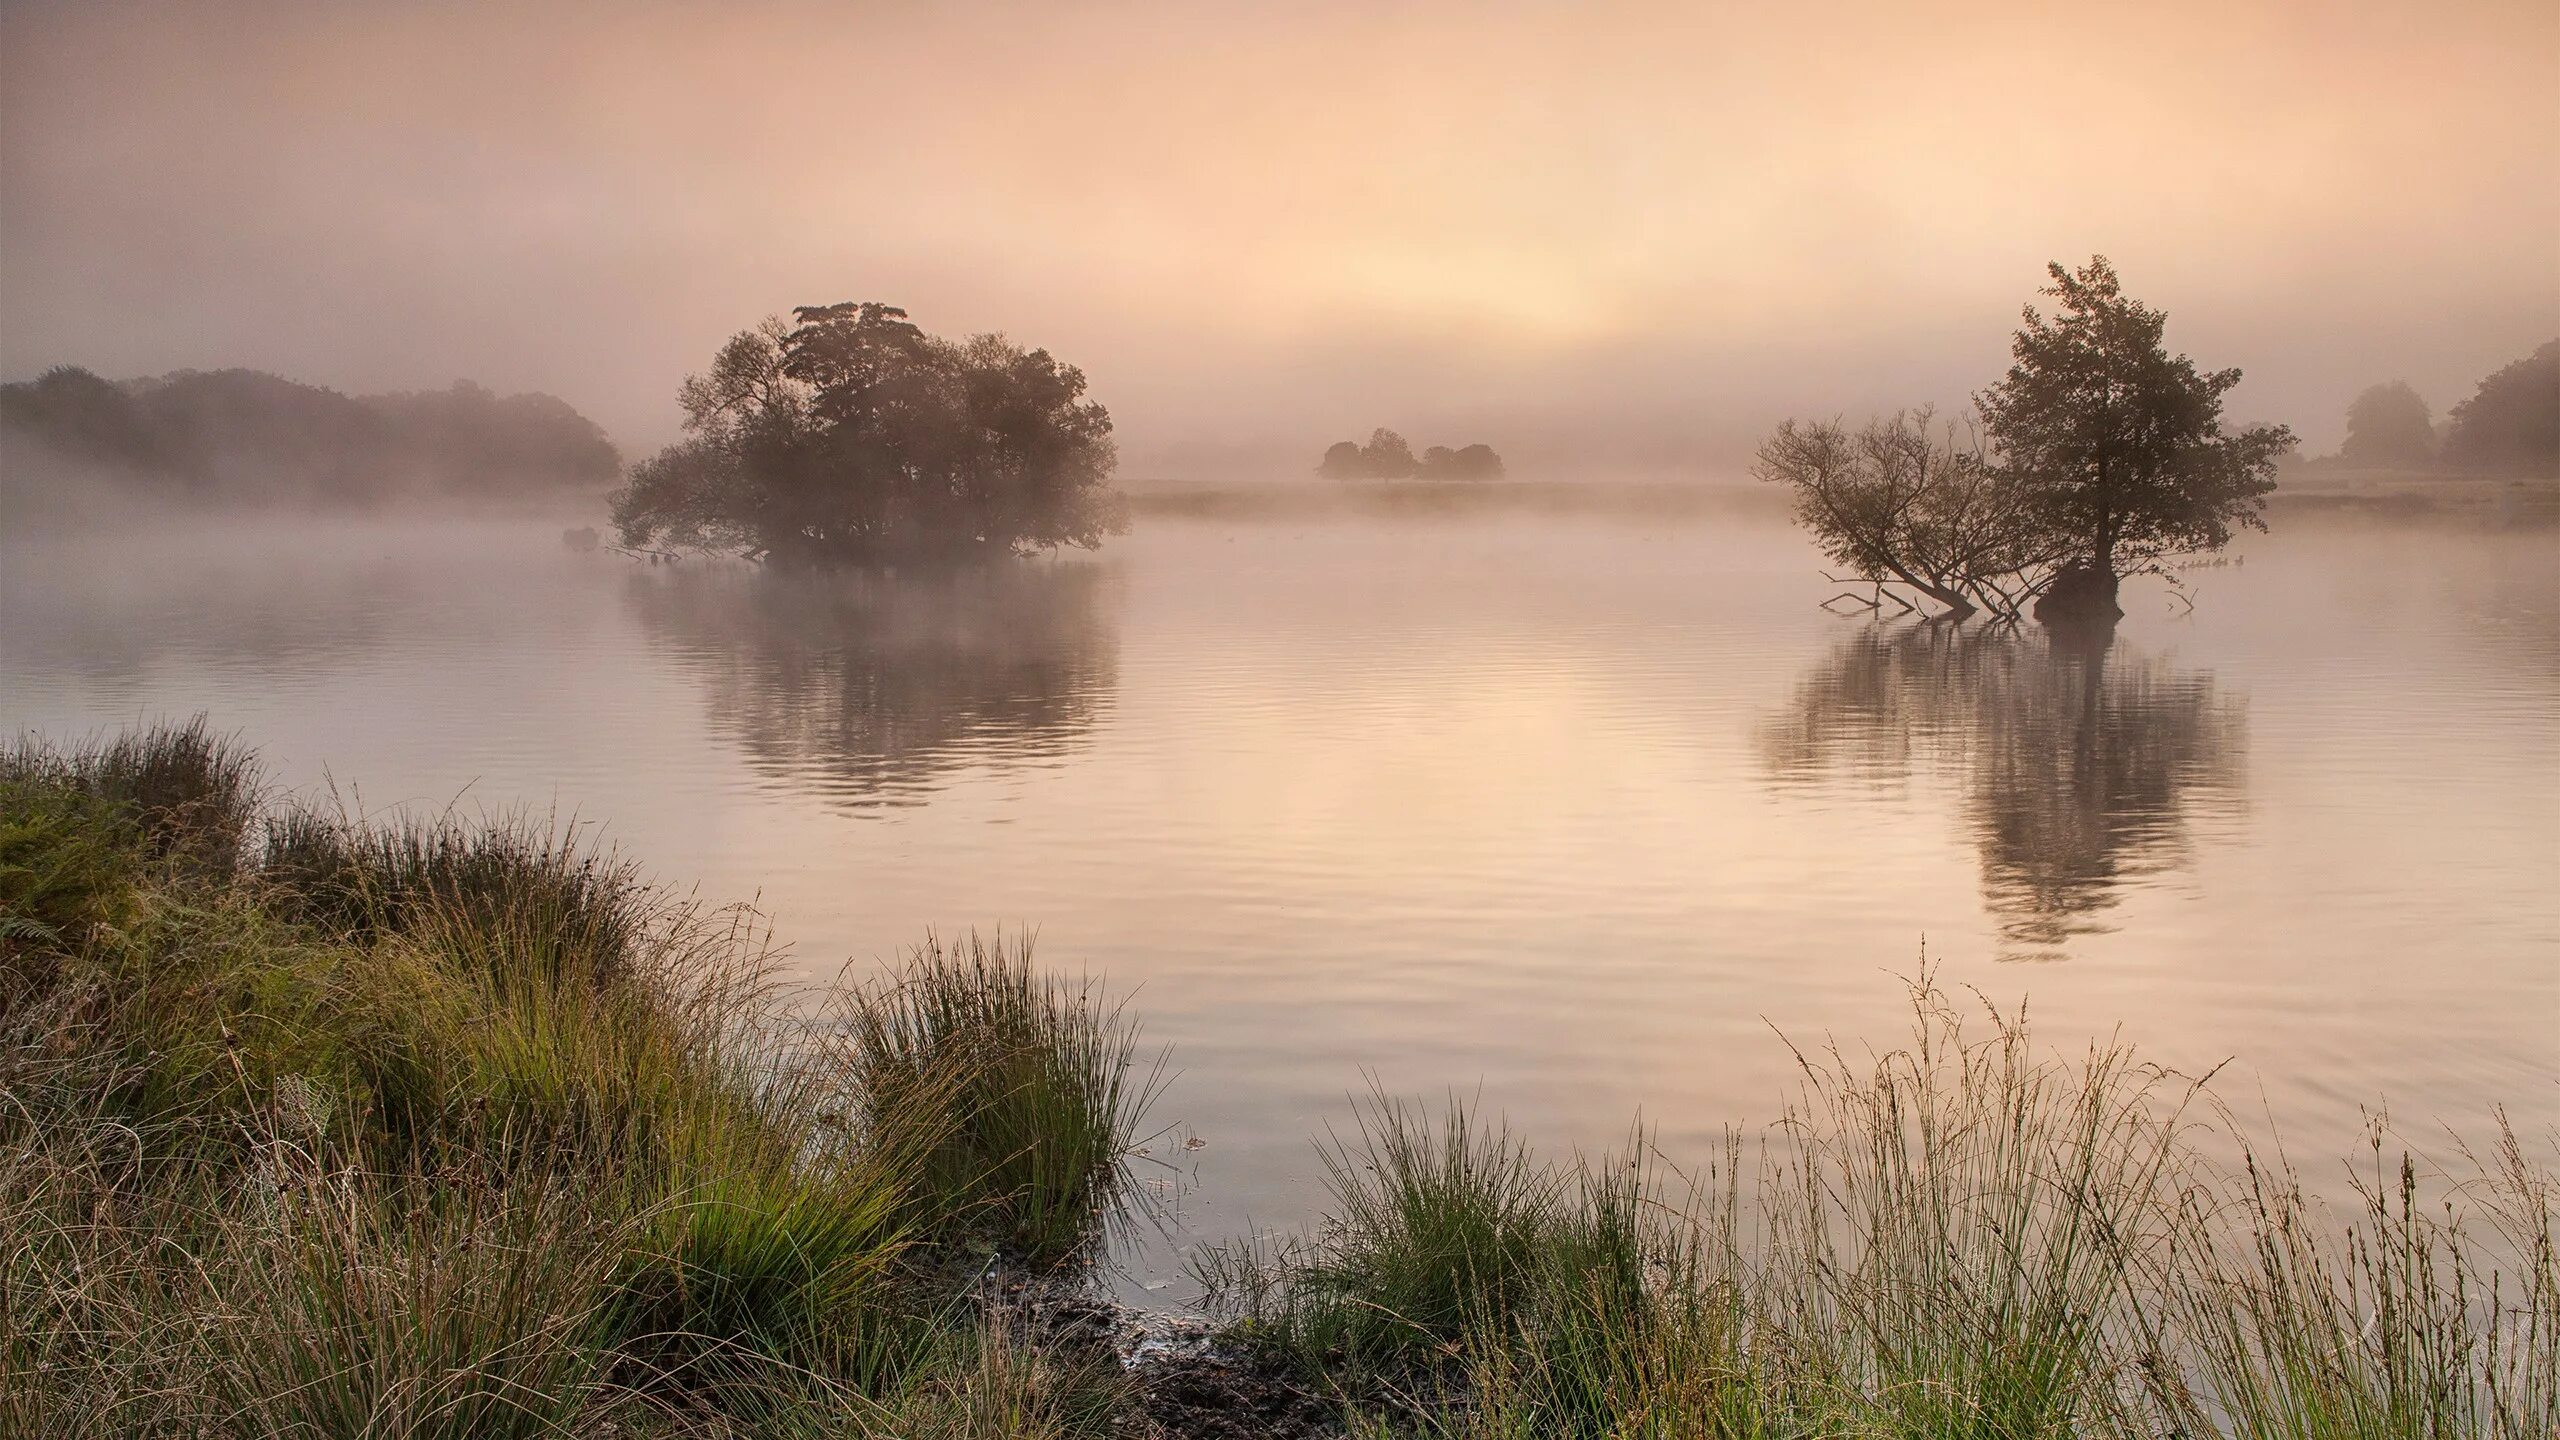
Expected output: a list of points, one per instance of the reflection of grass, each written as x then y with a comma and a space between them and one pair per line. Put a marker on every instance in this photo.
1960, 1238
436, 1128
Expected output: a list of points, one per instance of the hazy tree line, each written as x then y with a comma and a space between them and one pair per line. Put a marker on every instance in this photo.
2098, 455
848, 434
244, 435
2510, 425
1388, 456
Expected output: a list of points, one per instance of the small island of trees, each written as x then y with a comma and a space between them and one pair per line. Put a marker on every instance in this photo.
1388, 456
850, 436
2098, 456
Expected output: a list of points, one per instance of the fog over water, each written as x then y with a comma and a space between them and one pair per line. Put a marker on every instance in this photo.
1571, 811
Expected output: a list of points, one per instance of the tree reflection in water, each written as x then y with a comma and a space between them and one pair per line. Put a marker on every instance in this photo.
2081, 760
870, 688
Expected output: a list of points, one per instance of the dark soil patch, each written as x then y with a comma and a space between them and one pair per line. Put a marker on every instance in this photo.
1223, 1397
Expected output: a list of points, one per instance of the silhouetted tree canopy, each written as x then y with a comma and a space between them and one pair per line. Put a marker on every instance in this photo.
84, 417
850, 435
2118, 443
2511, 425
1342, 461
1475, 462
2388, 425
487, 442
247, 435
1388, 456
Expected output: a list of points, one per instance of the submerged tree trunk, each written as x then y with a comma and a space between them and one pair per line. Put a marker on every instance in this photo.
2082, 595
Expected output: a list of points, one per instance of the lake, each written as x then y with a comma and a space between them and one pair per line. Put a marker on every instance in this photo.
1576, 814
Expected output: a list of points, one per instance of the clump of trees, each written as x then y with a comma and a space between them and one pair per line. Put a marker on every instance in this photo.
2099, 455
1388, 456
849, 435
2509, 426
244, 435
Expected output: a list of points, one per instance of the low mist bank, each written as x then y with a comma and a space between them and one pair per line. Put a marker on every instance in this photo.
1401, 499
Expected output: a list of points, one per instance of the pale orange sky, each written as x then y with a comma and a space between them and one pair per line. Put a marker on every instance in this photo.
1634, 232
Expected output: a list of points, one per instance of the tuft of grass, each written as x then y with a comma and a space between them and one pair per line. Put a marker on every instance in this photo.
757, 1271
2433, 1312
1017, 1095
81, 826
1436, 1230
359, 1309
88, 1345
544, 897
992, 1380
187, 793
66, 869
1959, 1220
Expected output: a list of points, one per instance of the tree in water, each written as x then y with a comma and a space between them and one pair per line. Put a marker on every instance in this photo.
2107, 457
2511, 426
852, 436
2119, 445
2388, 427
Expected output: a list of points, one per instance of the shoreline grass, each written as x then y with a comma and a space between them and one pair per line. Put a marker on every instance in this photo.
320, 1126
1964, 1236
312, 1125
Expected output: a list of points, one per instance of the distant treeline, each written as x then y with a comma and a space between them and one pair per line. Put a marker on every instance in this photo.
247, 436
1387, 456
2509, 426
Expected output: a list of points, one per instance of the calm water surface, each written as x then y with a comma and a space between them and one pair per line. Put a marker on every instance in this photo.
1574, 814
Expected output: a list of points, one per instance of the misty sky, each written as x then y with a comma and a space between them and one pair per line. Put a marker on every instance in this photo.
1635, 233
